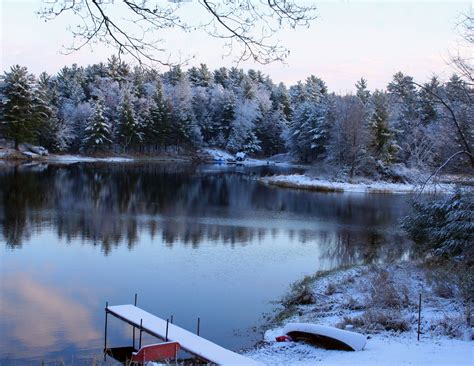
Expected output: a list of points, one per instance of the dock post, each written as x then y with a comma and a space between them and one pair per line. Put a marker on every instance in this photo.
105, 331
140, 340
419, 319
199, 326
167, 324
135, 303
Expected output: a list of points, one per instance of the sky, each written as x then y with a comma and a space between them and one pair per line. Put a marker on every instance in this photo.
348, 40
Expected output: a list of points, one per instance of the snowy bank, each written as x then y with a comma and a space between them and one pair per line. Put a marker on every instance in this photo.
380, 350
223, 157
380, 302
305, 182
87, 159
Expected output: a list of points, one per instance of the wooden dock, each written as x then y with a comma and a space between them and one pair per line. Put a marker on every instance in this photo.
188, 341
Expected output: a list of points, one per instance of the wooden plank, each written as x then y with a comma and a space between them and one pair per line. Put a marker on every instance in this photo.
190, 342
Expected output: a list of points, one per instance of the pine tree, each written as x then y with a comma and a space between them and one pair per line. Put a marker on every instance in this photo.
117, 70
382, 143
443, 226
221, 77
98, 132
22, 110
200, 76
405, 97
157, 128
309, 126
50, 129
362, 92
242, 135
69, 83
428, 109
309, 130
225, 118
128, 129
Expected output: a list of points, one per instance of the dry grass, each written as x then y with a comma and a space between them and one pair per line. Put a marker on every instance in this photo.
450, 326
384, 294
377, 320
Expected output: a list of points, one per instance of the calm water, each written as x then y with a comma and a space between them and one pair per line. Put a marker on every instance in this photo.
192, 241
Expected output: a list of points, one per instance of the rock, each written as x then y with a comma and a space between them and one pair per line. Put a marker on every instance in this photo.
30, 154
240, 156
40, 150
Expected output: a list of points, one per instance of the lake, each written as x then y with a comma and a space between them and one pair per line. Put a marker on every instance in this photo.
192, 241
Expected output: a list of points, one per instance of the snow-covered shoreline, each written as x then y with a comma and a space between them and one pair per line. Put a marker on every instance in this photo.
301, 181
344, 298
87, 159
11, 155
219, 156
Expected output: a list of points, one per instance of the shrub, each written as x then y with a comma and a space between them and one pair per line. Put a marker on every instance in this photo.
443, 226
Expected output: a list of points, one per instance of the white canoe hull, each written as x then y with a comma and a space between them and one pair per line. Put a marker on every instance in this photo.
329, 335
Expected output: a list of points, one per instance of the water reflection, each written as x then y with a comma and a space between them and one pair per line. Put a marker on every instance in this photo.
36, 317
192, 240
108, 205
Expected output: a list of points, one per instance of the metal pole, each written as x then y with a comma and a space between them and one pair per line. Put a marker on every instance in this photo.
199, 326
419, 318
171, 320
135, 303
167, 323
105, 331
140, 341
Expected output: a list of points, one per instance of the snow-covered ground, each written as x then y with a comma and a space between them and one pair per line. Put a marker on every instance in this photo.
223, 157
86, 159
305, 182
371, 300
380, 350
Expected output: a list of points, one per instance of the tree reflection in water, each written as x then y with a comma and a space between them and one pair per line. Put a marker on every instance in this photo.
191, 240
112, 204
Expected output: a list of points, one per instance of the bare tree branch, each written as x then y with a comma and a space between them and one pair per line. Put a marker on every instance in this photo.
436, 172
247, 27
453, 118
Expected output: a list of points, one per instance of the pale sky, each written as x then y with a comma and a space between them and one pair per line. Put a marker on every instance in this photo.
350, 39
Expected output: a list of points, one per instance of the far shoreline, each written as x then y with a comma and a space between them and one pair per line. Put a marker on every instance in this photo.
299, 181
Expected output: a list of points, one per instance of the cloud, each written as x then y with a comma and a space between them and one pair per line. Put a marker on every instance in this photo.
36, 318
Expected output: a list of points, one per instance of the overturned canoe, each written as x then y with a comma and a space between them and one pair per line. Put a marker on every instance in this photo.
325, 337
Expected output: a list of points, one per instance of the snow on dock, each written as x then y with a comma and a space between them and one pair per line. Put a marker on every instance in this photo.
188, 341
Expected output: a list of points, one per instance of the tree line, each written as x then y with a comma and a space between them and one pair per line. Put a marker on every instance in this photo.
112, 107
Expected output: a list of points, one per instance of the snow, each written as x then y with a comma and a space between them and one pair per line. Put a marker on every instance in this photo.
381, 350
240, 155
187, 340
87, 159
347, 294
221, 156
218, 155
306, 182
354, 340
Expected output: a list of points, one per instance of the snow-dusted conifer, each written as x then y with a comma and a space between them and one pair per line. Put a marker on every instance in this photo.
428, 102
22, 109
382, 144
309, 127
128, 132
97, 134
242, 132
362, 92
157, 127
